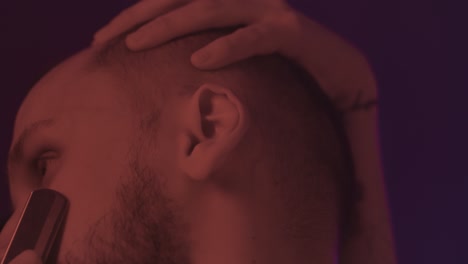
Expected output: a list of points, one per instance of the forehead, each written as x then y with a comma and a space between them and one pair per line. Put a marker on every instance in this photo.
72, 89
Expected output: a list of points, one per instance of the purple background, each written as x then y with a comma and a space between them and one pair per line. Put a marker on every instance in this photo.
417, 50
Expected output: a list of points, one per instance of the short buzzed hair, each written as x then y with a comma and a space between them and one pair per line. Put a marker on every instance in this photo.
303, 131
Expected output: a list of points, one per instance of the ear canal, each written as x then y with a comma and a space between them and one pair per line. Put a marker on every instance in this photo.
206, 107
208, 127
193, 142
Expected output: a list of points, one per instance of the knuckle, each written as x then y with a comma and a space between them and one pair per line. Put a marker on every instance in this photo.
290, 18
289, 24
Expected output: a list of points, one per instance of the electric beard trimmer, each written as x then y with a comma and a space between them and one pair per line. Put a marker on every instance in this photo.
42, 218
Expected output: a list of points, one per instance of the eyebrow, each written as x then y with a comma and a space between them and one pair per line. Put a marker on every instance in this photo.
17, 152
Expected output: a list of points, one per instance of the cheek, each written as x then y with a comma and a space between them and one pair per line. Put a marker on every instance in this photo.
89, 177
166, 158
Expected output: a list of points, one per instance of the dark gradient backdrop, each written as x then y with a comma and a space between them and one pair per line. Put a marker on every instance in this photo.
418, 51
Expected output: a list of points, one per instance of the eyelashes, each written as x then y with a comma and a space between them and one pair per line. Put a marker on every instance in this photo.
43, 164
40, 166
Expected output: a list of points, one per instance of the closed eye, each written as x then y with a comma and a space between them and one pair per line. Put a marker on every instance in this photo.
44, 165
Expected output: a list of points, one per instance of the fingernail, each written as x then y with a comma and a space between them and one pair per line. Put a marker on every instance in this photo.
201, 58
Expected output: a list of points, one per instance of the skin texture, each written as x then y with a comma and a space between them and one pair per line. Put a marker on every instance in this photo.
91, 155
191, 206
178, 195
342, 71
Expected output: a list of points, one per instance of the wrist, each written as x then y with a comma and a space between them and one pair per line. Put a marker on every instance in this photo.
341, 70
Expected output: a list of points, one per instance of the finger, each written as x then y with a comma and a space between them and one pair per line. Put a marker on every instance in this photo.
196, 16
27, 257
134, 15
244, 43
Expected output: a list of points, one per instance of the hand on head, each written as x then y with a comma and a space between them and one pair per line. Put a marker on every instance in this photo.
269, 26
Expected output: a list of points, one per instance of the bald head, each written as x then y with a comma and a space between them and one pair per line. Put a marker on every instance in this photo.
299, 128
164, 162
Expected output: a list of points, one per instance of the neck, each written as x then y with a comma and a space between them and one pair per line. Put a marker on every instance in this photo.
231, 230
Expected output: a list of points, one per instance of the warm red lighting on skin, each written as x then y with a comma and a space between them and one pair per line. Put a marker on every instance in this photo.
361, 123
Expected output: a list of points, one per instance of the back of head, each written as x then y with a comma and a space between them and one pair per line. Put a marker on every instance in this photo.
300, 130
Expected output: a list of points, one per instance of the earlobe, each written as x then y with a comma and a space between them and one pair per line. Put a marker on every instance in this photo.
215, 122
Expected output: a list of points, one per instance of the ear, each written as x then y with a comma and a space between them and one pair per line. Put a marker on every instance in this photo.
214, 122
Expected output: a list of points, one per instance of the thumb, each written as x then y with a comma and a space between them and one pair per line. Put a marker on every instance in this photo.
27, 257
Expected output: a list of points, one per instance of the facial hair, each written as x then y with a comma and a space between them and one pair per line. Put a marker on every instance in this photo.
144, 227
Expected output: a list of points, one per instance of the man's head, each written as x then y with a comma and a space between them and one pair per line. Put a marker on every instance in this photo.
161, 161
